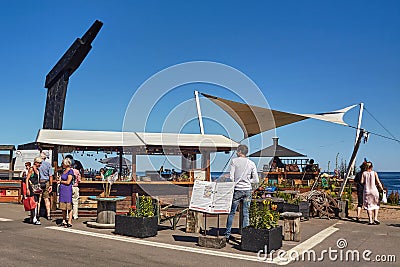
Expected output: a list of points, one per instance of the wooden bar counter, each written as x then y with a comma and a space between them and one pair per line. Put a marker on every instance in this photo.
174, 193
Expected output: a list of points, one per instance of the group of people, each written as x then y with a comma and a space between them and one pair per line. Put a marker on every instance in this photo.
277, 164
38, 184
368, 183
244, 173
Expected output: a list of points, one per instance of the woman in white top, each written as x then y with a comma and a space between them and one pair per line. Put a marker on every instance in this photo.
371, 180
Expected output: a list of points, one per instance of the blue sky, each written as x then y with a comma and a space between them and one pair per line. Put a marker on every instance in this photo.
305, 56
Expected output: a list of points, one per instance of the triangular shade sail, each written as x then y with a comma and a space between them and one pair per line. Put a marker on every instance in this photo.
254, 120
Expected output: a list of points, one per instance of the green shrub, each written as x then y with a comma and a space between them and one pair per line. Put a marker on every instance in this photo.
144, 207
263, 215
393, 198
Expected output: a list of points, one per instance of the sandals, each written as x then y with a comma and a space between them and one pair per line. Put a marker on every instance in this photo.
66, 225
37, 223
377, 222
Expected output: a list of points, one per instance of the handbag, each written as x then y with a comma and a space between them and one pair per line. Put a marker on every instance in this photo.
384, 197
29, 203
36, 187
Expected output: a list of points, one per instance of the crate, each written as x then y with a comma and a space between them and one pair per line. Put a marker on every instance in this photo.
12, 192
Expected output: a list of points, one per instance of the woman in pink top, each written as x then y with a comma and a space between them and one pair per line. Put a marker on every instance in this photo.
371, 180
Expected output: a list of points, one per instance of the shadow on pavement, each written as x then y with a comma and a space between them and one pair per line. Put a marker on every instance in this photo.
181, 238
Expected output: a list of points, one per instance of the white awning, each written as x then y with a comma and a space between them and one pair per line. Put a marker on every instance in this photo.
78, 138
187, 140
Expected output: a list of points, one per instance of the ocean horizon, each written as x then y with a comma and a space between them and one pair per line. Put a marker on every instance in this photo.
390, 180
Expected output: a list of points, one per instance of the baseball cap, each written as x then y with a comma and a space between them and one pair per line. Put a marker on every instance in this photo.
45, 154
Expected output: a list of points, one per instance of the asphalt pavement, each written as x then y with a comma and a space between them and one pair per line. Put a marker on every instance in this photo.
327, 242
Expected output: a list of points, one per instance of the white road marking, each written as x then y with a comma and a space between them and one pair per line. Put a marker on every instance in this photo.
5, 220
308, 244
156, 244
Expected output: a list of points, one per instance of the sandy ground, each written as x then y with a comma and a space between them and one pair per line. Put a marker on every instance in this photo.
386, 213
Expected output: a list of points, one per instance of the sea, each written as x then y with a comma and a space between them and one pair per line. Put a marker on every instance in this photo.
390, 180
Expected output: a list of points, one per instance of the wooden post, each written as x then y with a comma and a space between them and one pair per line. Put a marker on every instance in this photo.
120, 153
57, 79
10, 168
205, 164
291, 226
343, 208
192, 161
134, 177
194, 222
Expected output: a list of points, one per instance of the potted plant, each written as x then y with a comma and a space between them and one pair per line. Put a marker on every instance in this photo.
263, 233
293, 204
296, 205
109, 176
141, 220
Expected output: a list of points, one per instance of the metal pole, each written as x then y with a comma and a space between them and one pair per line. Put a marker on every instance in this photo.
360, 114
196, 95
352, 160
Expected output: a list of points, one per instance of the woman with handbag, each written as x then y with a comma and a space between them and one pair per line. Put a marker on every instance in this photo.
66, 192
33, 188
371, 181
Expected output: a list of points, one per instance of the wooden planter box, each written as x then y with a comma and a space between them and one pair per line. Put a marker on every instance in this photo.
303, 207
136, 226
258, 239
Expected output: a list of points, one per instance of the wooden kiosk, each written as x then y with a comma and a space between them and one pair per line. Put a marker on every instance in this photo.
172, 192
10, 184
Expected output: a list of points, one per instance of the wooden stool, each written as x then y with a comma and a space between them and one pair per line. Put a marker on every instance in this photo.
291, 226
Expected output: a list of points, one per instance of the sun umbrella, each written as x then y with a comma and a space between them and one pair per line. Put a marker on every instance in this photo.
114, 162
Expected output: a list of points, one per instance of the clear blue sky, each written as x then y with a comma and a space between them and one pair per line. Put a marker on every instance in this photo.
305, 56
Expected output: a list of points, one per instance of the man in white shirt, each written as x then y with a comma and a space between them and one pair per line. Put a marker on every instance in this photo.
243, 172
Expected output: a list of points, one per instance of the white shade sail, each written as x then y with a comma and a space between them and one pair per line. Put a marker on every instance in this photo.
254, 120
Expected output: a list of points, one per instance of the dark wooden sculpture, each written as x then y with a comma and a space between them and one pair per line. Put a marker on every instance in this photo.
57, 79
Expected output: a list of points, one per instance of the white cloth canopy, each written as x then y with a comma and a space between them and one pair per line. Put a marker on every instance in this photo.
88, 138
186, 140
78, 138
254, 120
